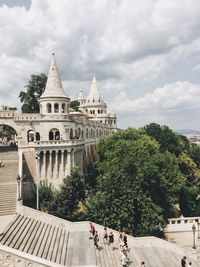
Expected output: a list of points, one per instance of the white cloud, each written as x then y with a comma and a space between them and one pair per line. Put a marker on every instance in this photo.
166, 105
133, 47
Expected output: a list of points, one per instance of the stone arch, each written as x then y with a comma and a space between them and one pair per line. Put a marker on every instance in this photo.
11, 124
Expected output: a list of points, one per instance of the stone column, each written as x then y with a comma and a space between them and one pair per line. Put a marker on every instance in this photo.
50, 165
38, 175
62, 167
44, 165
68, 165
56, 165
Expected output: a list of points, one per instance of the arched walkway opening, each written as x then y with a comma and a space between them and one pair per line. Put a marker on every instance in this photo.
8, 138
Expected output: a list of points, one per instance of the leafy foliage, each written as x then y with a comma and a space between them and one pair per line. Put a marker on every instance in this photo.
190, 191
46, 195
137, 184
168, 140
68, 197
75, 105
34, 90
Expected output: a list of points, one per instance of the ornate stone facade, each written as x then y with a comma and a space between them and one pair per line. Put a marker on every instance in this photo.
51, 142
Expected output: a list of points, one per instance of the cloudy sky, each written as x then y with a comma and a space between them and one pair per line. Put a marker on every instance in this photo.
145, 54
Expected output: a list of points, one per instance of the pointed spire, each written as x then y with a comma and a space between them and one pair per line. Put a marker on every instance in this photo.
54, 86
94, 94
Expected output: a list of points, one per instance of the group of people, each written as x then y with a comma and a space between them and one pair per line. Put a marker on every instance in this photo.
184, 262
109, 239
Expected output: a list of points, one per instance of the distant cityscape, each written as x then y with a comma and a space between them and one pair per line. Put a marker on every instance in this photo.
193, 136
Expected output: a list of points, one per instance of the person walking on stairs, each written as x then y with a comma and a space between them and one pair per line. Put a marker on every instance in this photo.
124, 259
92, 230
96, 240
105, 236
111, 238
183, 261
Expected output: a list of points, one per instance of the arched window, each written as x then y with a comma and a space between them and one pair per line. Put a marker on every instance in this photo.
71, 133
63, 108
30, 136
57, 135
79, 133
76, 135
49, 108
54, 134
56, 108
86, 133
97, 134
50, 135
82, 134
37, 136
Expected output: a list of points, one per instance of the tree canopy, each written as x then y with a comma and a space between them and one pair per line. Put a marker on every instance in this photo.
33, 90
137, 184
168, 140
74, 104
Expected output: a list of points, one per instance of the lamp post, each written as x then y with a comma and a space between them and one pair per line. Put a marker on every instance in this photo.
18, 187
37, 174
198, 225
193, 230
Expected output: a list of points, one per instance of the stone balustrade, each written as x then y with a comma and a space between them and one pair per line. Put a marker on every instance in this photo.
15, 258
182, 224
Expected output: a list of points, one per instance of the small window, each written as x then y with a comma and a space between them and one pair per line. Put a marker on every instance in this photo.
63, 108
49, 108
37, 136
56, 108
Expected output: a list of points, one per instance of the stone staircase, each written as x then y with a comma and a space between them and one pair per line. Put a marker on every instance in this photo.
49, 242
67, 244
8, 185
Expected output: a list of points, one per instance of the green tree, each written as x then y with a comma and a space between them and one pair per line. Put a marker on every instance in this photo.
74, 104
137, 186
71, 192
46, 195
168, 140
34, 90
190, 190
194, 153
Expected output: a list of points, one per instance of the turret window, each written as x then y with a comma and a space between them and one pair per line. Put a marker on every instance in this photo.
56, 108
49, 108
63, 108
71, 133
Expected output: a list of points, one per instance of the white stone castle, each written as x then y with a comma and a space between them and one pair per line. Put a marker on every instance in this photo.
51, 142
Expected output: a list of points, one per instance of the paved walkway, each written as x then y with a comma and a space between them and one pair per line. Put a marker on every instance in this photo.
8, 184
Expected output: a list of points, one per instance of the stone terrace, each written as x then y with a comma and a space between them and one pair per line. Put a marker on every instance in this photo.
47, 238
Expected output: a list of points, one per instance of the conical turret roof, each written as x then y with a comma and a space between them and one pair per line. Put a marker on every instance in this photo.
94, 94
54, 86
